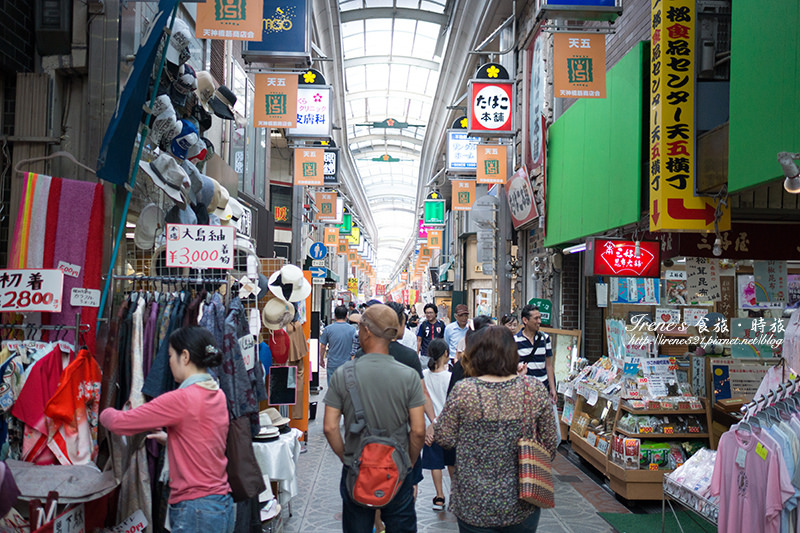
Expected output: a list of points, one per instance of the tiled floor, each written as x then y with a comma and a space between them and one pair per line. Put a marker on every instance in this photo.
317, 507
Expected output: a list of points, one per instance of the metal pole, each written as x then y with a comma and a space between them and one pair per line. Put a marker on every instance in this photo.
132, 183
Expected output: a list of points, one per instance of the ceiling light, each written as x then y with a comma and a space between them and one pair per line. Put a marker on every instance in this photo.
717, 250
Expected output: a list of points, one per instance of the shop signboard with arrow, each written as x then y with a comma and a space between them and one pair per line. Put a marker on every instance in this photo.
673, 204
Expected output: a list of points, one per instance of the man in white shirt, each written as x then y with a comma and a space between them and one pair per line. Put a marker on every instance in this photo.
455, 331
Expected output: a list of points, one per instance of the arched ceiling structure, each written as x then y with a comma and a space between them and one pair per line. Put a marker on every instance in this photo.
392, 54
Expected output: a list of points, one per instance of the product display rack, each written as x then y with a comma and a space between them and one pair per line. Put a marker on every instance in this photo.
583, 447
642, 484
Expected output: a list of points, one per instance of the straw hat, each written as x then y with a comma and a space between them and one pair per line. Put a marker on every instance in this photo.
277, 314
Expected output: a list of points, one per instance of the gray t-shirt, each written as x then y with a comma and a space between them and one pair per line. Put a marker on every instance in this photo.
388, 390
339, 339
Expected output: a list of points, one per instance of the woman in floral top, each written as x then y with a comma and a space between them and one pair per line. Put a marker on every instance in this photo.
483, 418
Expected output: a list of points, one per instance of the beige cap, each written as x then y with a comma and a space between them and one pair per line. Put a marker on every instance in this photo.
381, 320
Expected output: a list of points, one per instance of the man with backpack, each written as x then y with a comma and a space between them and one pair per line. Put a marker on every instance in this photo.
380, 399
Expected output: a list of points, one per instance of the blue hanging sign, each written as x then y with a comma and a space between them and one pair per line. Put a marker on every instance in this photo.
285, 32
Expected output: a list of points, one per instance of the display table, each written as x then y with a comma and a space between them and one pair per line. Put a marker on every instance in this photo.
278, 462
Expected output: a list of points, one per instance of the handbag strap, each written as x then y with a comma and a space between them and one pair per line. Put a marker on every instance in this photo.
361, 422
528, 408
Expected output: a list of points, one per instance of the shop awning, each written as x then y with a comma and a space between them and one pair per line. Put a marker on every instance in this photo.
331, 276
445, 267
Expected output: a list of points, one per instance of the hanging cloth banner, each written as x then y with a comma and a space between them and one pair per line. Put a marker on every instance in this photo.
114, 161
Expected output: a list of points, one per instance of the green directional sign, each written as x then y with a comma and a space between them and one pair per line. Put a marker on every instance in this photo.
545, 307
434, 213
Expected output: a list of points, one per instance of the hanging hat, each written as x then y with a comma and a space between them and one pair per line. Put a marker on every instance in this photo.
181, 143
195, 178
275, 417
205, 88
162, 103
164, 126
167, 174
180, 215
267, 434
150, 219
202, 117
236, 213
277, 314
223, 210
289, 284
279, 343
222, 103
197, 152
206, 193
184, 83
209, 148
263, 286
178, 52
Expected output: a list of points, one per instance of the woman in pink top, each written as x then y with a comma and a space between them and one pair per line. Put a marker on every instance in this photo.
196, 420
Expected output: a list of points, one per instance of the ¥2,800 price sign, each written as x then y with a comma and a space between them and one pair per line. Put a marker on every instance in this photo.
31, 289
194, 246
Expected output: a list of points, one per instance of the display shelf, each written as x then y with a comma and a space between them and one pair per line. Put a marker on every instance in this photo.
590, 453
662, 435
663, 412
635, 484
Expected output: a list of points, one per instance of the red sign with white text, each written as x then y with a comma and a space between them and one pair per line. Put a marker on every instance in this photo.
622, 258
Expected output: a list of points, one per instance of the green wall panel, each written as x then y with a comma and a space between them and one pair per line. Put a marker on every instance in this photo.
594, 157
765, 86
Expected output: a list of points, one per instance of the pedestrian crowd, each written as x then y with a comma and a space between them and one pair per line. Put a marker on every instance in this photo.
461, 396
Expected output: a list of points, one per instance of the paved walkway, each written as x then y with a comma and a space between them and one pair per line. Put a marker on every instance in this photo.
318, 506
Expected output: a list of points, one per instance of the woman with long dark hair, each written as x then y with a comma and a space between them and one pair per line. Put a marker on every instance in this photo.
195, 416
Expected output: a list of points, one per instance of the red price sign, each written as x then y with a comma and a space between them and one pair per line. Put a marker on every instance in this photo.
31, 289
194, 246
653, 466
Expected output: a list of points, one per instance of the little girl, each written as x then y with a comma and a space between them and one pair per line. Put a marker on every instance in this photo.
437, 378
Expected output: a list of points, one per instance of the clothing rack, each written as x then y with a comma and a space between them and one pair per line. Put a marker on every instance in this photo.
173, 279
78, 327
774, 395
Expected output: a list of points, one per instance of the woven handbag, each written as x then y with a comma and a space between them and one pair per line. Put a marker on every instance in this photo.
535, 470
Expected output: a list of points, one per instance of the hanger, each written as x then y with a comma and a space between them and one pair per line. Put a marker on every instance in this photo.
60, 153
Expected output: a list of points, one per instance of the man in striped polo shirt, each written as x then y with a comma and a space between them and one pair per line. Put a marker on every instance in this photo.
535, 350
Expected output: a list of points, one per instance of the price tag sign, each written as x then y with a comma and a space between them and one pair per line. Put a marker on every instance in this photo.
80, 297
248, 346
654, 466
31, 289
135, 522
72, 521
194, 246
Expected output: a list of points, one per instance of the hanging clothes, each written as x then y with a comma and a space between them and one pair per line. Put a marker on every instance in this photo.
237, 334
73, 409
136, 398
160, 380
298, 349
791, 340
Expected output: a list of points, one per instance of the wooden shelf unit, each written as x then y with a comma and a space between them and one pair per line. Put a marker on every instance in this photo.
648, 484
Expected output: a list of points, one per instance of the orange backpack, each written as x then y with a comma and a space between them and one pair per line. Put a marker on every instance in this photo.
380, 464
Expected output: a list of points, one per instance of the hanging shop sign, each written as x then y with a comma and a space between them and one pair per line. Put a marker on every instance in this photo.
346, 227
352, 285
195, 246
351, 255
520, 198
435, 238
308, 166
492, 103
326, 206
433, 212
545, 308
461, 152
578, 9
463, 194
313, 107
673, 204
330, 167
236, 20
742, 241
284, 32
280, 203
422, 233
703, 283
275, 101
31, 289
492, 164
620, 258
380, 289
579, 65
341, 245
354, 237
536, 79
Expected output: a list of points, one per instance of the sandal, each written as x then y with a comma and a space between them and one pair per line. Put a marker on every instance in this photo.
438, 504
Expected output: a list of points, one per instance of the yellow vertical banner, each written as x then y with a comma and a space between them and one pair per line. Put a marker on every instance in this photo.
435, 238
331, 236
308, 166
673, 204
492, 166
463, 194
354, 237
326, 205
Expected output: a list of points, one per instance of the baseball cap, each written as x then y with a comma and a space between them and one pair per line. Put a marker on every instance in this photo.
184, 140
461, 308
372, 302
381, 320
184, 83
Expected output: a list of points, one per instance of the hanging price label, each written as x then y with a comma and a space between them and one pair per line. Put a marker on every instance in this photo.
190, 245
30, 289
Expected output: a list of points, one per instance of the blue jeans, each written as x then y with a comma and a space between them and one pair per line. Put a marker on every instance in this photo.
399, 515
528, 525
210, 513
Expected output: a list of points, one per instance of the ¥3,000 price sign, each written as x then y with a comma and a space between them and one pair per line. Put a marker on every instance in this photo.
194, 246
31, 289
